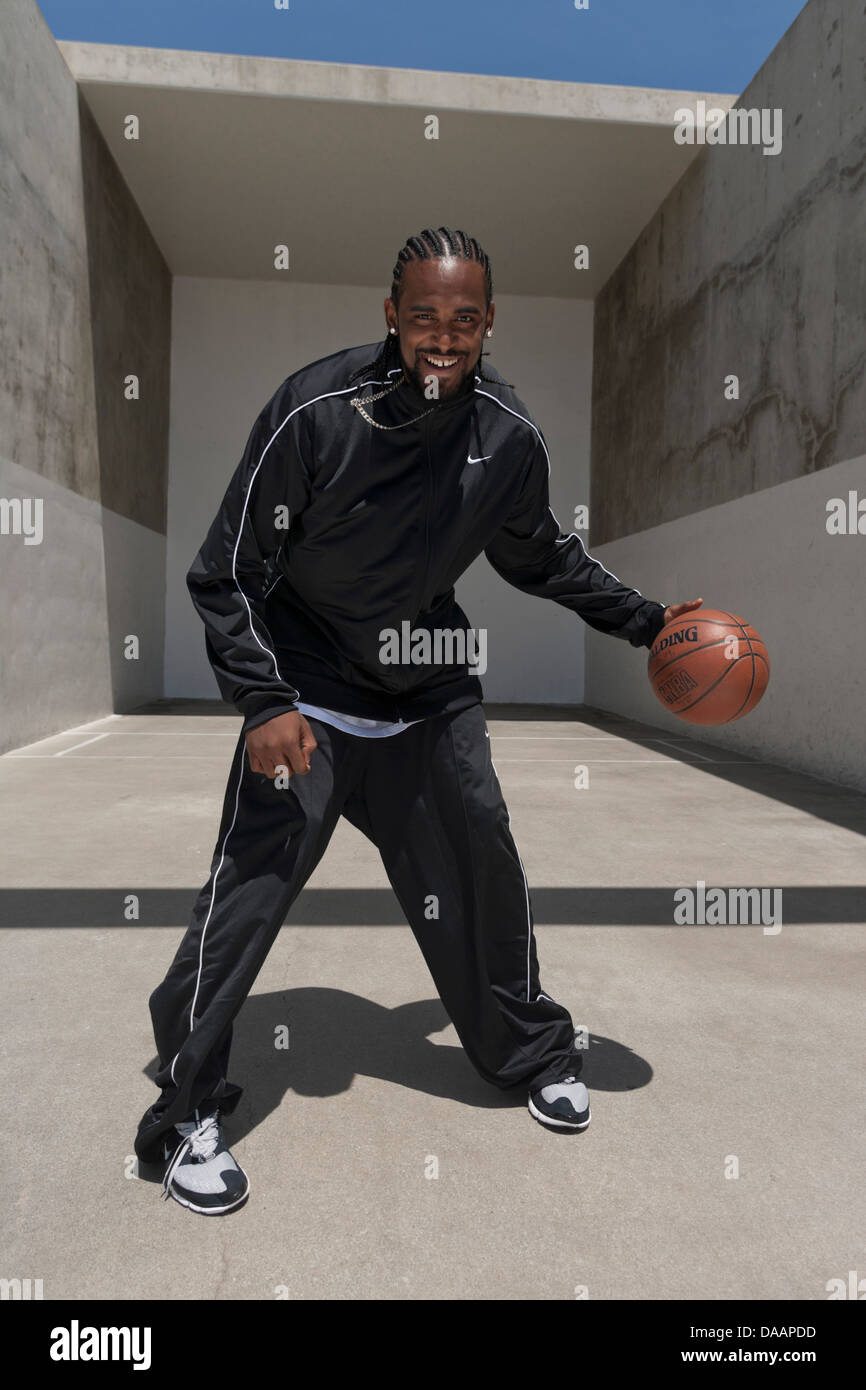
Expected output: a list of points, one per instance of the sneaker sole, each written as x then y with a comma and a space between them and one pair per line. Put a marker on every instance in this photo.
560, 1124
209, 1211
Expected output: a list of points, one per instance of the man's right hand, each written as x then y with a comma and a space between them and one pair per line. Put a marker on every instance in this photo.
285, 741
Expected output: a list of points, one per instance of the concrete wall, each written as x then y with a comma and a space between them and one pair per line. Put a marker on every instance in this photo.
753, 265
766, 557
84, 299
234, 341
130, 309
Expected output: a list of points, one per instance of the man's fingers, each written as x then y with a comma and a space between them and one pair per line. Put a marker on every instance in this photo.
292, 757
675, 610
282, 744
307, 739
295, 758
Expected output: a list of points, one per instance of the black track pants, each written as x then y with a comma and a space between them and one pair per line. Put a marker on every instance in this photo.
430, 800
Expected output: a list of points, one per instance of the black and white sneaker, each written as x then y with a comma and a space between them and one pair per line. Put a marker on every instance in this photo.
201, 1173
563, 1103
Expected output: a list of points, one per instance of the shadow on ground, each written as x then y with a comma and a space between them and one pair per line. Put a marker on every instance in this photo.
334, 1036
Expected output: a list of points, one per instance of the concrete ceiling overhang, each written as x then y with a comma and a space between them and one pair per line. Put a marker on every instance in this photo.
237, 155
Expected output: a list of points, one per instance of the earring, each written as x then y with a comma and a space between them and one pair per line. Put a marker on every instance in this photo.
490, 332
392, 330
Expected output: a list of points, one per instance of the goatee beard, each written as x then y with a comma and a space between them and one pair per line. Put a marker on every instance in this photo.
417, 377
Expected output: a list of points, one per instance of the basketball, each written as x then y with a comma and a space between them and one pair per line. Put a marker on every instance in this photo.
708, 667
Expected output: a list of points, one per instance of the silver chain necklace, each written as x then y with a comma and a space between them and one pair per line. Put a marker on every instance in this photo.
356, 402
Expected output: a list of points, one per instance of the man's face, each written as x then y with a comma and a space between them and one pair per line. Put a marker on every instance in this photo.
442, 318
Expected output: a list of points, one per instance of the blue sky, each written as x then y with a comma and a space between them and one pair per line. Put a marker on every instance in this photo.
708, 45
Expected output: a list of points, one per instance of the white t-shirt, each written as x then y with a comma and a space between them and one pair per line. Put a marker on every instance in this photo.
354, 724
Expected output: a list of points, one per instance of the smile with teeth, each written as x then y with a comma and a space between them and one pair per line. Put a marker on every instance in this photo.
440, 361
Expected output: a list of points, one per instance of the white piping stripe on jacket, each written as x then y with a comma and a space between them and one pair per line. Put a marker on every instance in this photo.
344, 391
547, 456
325, 396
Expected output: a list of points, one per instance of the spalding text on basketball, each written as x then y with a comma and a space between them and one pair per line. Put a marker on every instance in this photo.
684, 634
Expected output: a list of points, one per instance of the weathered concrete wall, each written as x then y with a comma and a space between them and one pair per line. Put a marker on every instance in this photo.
84, 300
47, 406
753, 265
130, 311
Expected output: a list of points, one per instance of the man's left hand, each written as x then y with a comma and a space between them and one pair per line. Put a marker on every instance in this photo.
676, 610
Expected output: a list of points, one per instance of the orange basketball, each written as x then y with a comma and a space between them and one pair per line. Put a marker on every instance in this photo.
708, 667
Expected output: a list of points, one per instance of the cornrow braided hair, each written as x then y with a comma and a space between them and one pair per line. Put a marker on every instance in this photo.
429, 245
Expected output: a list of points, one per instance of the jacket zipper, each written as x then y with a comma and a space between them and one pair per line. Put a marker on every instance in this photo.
430, 486
427, 517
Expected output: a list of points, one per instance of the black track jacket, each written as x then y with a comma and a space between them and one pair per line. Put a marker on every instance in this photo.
331, 532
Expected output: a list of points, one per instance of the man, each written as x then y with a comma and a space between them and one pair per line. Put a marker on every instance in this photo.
370, 482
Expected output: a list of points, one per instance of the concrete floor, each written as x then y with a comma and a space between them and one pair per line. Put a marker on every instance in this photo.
709, 1046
